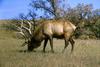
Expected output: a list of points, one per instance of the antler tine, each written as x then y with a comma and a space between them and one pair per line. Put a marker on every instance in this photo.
23, 36
28, 28
25, 39
25, 31
20, 29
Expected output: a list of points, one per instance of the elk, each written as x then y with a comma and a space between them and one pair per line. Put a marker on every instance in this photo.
47, 31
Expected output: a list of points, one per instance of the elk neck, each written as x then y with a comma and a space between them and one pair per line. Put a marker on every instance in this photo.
38, 35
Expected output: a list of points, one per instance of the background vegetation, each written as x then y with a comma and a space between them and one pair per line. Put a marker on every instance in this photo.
86, 52
86, 19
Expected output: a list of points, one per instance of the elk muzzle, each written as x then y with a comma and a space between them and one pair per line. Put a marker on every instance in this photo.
33, 45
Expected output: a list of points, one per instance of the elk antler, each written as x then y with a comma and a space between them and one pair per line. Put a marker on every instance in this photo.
28, 29
25, 31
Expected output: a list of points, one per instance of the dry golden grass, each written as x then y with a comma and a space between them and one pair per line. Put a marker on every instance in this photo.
86, 54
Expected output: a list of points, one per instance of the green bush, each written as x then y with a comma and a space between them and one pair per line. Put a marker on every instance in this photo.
8, 27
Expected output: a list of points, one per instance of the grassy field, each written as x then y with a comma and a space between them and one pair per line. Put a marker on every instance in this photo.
86, 54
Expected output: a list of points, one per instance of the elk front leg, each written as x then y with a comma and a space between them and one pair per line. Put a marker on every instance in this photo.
45, 43
51, 44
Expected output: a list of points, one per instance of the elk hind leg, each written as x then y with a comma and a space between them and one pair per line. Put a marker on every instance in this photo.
72, 43
66, 44
66, 38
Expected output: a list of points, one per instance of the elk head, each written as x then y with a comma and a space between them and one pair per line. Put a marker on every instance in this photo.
25, 29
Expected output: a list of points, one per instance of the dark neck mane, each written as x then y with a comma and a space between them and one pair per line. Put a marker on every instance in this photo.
38, 34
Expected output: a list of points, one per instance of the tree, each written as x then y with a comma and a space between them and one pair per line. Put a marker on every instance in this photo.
83, 15
79, 13
50, 8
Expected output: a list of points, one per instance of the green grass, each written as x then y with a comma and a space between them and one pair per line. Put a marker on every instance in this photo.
86, 54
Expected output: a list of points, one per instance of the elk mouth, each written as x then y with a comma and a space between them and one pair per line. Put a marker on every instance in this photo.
31, 46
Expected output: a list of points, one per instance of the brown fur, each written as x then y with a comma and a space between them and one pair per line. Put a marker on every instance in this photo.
52, 29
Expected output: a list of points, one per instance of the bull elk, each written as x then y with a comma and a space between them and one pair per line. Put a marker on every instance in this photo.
47, 31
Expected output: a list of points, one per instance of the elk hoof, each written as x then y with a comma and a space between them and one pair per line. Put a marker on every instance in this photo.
43, 51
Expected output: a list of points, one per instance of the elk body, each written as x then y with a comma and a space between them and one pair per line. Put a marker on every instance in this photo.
49, 30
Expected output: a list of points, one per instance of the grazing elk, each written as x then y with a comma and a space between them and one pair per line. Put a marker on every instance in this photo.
48, 30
